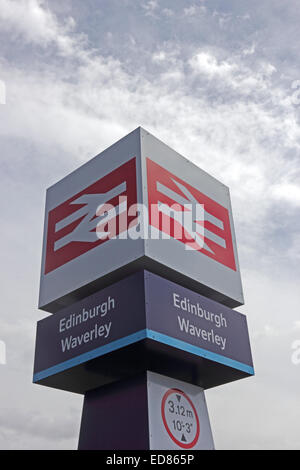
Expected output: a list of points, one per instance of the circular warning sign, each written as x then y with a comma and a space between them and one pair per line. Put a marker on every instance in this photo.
180, 418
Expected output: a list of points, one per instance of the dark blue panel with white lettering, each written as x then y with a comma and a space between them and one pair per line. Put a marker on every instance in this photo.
143, 322
186, 320
86, 329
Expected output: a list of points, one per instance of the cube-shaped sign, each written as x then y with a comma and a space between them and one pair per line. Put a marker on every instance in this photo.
138, 205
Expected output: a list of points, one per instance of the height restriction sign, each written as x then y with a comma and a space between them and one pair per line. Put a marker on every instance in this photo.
178, 416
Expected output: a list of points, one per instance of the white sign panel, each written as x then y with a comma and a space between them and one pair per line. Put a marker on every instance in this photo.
138, 204
178, 416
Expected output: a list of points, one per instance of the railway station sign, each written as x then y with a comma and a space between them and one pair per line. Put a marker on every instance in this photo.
142, 322
138, 205
140, 271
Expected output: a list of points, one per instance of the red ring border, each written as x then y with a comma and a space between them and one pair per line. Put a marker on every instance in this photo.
184, 446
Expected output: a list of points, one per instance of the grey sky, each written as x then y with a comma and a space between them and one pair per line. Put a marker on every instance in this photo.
212, 79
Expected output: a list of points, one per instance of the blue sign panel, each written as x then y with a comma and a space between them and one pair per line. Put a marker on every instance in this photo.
143, 322
186, 320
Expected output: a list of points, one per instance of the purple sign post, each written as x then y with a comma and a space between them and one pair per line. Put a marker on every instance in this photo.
141, 273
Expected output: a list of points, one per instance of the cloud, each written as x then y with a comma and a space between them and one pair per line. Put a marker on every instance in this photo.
31, 20
206, 63
150, 7
287, 192
250, 50
226, 109
194, 10
267, 404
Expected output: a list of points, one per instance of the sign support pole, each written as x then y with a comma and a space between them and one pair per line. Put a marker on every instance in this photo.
116, 416
148, 411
